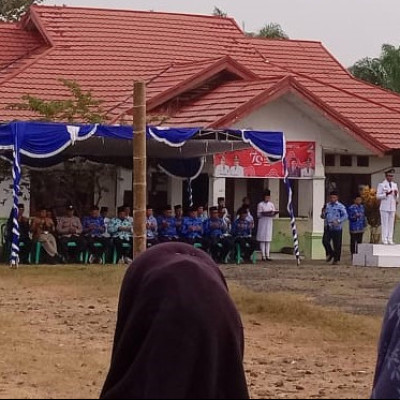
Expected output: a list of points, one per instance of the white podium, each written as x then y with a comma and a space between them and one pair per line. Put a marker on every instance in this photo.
377, 255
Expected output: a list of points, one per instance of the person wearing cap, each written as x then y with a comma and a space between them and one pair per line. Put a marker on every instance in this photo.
151, 227
388, 194
215, 232
308, 170
266, 211
236, 169
192, 228
357, 222
24, 239
201, 213
223, 212
293, 168
121, 230
69, 229
241, 231
128, 212
334, 215
178, 218
167, 226
93, 229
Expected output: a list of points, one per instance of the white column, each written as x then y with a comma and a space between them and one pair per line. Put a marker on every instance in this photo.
174, 191
318, 200
216, 188
273, 186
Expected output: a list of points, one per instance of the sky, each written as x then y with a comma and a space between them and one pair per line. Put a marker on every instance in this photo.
350, 29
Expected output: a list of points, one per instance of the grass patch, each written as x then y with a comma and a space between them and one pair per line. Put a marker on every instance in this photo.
297, 311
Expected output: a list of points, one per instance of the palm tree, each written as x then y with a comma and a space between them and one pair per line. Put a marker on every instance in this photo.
272, 30
383, 71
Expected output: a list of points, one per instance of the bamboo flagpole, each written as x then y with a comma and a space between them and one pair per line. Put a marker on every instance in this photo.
139, 175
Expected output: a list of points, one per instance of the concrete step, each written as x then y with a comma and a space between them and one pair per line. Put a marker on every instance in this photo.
377, 255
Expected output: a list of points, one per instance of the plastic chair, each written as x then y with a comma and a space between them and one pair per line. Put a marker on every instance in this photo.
37, 250
103, 256
72, 245
115, 255
239, 258
197, 245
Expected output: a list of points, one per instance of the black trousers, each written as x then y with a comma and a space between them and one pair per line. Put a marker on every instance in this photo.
24, 250
220, 247
355, 240
123, 251
334, 238
247, 246
98, 251
151, 242
202, 241
74, 251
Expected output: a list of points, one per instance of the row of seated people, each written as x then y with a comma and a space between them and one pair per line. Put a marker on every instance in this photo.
215, 233
56, 236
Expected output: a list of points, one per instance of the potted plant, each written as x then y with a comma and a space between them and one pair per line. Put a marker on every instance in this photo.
371, 204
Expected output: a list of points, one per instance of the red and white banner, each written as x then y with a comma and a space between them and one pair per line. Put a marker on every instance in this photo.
250, 163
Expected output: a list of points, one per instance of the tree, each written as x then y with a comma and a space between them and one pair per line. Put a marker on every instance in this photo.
12, 10
84, 178
82, 106
219, 13
383, 71
272, 30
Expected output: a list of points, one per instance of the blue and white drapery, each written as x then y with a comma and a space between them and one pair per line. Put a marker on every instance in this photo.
35, 140
187, 169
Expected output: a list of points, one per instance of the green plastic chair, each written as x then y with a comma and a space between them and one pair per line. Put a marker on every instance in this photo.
115, 255
72, 245
239, 258
103, 256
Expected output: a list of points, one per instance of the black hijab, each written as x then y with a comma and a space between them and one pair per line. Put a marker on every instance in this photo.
387, 372
178, 332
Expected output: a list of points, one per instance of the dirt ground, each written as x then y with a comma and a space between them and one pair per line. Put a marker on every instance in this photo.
311, 331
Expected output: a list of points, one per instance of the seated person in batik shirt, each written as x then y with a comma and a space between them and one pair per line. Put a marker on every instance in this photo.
215, 232
93, 230
192, 228
151, 227
69, 229
167, 226
241, 231
121, 230
178, 218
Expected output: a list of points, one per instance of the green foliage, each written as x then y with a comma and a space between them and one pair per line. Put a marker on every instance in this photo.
383, 71
12, 10
272, 31
219, 13
81, 107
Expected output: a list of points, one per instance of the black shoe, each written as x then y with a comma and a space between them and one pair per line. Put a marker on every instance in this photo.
335, 262
263, 258
269, 259
329, 258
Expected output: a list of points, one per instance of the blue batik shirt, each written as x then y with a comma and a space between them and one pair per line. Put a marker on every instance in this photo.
192, 228
117, 223
242, 228
151, 227
335, 215
357, 220
166, 226
214, 227
98, 222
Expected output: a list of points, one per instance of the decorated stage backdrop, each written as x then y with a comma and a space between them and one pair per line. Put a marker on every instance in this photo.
251, 163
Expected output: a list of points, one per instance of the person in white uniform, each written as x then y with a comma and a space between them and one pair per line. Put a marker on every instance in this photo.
266, 211
388, 194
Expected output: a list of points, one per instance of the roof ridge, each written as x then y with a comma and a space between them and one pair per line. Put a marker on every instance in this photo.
231, 19
285, 40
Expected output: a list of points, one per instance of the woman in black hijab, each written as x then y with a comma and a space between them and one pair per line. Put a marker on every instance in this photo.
387, 373
178, 332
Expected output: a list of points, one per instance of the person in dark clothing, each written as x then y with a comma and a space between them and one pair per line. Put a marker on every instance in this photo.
25, 242
386, 384
241, 231
178, 333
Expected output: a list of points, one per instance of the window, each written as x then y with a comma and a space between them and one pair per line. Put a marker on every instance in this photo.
362, 161
329, 160
346, 161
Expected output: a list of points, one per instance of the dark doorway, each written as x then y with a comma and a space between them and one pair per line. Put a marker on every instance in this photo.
346, 184
283, 197
199, 191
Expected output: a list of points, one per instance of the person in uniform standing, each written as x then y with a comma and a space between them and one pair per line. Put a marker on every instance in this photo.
266, 211
388, 194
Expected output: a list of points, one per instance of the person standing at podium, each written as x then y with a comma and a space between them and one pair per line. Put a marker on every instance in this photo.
388, 194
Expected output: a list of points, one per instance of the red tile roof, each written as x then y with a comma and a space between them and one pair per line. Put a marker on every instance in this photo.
181, 55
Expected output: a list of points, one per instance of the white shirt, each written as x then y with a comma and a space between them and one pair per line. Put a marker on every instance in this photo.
388, 202
236, 170
307, 172
221, 170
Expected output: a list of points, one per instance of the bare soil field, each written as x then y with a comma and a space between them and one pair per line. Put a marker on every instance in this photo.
311, 331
